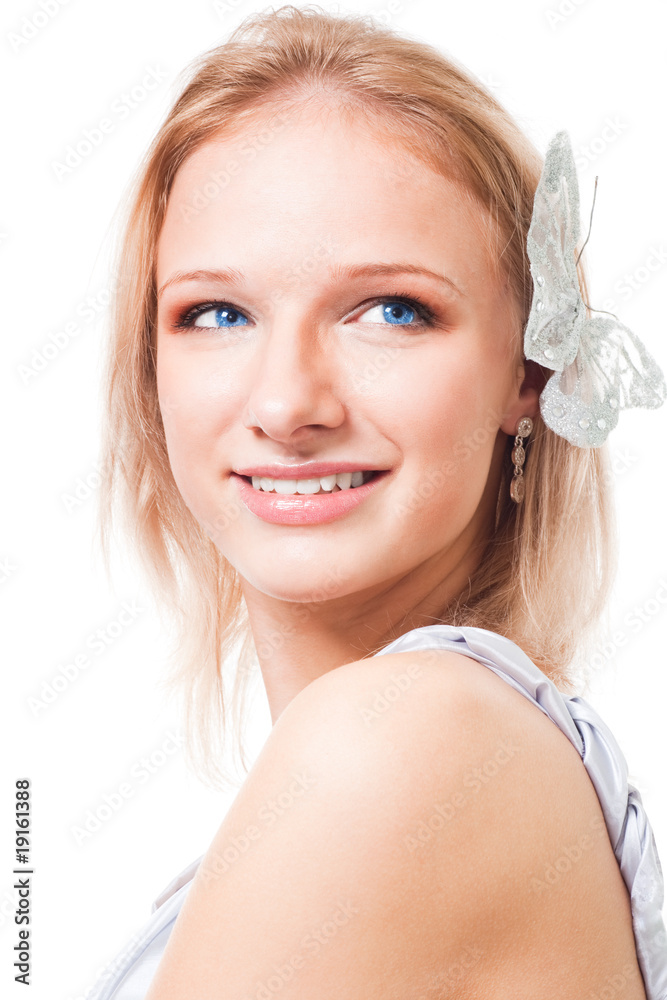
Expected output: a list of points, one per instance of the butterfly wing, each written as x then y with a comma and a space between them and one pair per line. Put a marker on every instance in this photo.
553, 329
612, 371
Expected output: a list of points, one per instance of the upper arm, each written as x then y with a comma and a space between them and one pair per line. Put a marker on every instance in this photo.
390, 831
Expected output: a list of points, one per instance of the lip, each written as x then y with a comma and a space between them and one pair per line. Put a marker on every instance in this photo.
307, 470
306, 508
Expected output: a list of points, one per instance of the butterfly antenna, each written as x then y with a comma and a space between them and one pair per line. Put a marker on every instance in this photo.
588, 236
595, 191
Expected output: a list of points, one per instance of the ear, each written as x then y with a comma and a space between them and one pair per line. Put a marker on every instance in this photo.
531, 379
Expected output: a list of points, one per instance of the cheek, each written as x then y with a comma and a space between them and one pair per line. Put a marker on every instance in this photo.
449, 405
454, 453
446, 424
196, 407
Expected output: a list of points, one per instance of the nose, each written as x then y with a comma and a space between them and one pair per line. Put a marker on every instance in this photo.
293, 381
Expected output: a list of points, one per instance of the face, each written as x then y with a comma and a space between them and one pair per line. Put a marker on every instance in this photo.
355, 320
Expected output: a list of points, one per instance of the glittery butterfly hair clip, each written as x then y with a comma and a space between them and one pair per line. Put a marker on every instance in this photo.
599, 366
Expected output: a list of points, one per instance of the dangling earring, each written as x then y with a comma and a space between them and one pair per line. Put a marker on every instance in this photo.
517, 486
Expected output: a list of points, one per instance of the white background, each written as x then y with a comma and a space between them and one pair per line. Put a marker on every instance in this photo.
599, 61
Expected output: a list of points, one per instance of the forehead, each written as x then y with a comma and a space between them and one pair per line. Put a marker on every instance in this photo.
276, 191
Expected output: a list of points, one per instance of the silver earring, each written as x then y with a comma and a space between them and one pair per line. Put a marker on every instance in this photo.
518, 486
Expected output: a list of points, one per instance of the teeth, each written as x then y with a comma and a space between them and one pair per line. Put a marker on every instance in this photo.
320, 484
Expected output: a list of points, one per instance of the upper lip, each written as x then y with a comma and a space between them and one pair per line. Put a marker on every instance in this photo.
308, 470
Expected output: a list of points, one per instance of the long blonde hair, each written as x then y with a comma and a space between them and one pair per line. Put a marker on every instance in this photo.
545, 575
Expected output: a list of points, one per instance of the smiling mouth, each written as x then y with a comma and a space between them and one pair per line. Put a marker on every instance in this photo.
315, 485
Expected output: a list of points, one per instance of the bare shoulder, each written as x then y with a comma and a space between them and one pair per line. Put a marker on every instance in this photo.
435, 720
444, 710
413, 826
491, 804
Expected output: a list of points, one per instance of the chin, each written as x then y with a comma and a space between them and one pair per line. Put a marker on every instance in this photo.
314, 583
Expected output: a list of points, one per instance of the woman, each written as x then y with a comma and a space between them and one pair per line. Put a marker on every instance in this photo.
339, 276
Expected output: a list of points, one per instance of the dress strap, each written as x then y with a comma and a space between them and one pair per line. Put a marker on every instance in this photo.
630, 832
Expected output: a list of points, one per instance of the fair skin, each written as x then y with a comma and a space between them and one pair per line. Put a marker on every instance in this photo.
434, 405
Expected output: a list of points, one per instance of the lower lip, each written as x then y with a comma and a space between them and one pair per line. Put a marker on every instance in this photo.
304, 508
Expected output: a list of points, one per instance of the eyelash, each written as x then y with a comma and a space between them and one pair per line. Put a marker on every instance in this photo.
428, 317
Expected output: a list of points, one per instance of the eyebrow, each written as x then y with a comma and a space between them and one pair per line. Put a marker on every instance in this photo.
231, 275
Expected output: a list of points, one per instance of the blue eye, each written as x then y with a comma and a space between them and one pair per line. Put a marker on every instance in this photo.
223, 316
404, 311
395, 312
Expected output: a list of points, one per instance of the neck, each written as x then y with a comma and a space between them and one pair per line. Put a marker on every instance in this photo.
298, 641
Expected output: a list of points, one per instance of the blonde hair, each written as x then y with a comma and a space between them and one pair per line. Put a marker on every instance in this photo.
545, 575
